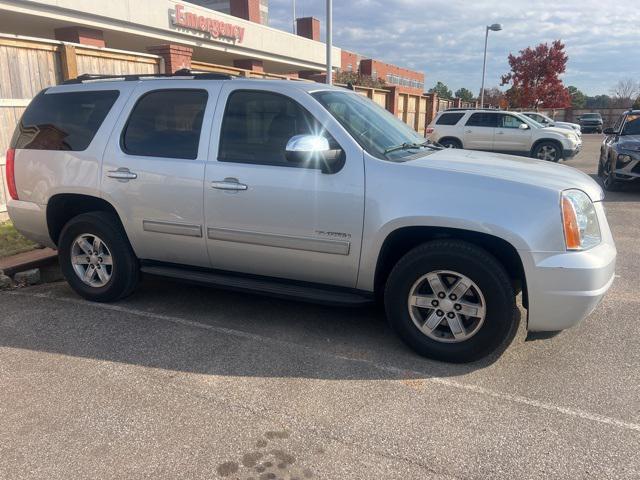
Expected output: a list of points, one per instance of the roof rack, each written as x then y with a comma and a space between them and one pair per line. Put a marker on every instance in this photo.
185, 73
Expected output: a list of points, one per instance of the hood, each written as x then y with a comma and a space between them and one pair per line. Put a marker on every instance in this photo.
558, 130
511, 168
568, 124
630, 142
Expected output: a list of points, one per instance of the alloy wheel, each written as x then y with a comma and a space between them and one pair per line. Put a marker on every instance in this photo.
447, 306
548, 152
91, 260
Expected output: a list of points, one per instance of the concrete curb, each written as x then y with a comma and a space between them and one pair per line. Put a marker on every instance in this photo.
28, 260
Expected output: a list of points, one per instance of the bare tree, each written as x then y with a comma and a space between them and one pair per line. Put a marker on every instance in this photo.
625, 92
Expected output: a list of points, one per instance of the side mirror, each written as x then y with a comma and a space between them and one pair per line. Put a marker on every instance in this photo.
523, 126
314, 151
609, 131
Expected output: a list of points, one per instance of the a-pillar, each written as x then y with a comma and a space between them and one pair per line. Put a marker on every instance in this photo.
176, 57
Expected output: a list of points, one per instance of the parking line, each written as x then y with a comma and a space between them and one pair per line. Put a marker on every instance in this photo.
400, 372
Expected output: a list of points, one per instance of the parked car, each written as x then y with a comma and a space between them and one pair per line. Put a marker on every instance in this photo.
304, 191
620, 151
546, 121
504, 132
591, 122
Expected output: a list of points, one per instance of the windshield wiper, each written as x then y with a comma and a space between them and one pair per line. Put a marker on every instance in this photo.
404, 146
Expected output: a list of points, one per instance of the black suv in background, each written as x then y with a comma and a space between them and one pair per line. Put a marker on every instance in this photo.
591, 122
620, 151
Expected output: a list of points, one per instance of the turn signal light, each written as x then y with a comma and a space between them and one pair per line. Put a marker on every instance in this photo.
570, 224
11, 173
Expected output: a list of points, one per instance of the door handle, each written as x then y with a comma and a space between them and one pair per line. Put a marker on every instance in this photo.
468, 131
499, 133
122, 174
229, 184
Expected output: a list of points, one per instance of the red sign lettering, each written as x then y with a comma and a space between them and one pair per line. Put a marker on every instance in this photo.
214, 28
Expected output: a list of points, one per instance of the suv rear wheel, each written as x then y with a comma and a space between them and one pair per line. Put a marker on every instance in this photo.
547, 150
450, 143
452, 301
96, 258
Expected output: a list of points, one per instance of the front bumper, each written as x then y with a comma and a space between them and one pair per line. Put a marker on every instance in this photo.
572, 151
564, 288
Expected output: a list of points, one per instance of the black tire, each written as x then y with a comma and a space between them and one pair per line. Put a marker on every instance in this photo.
450, 143
125, 271
548, 144
609, 182
500, 321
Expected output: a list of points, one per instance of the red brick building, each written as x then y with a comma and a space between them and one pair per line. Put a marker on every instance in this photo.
409, 80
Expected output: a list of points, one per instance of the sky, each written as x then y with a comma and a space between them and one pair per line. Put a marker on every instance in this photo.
445, 39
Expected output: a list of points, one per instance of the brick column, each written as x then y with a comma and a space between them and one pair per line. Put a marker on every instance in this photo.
392, 100
247, 9
308, 27
176, 57
458, 102
85, 36
432, 107
249, 64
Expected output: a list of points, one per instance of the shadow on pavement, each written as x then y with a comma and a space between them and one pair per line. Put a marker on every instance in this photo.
178, 327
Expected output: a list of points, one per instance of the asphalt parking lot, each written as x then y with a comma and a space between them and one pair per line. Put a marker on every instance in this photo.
186, 382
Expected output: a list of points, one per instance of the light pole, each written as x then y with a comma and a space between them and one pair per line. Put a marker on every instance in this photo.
294, 16
329, 41
496, 27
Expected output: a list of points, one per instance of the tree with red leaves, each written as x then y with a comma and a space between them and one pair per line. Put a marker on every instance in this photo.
534, 77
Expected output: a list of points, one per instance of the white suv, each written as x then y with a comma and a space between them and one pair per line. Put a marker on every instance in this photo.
504, 132
305, 191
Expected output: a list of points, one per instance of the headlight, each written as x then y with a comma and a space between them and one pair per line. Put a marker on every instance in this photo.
579, 220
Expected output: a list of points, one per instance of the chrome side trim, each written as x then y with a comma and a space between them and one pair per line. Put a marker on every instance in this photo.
309, 244
170, 228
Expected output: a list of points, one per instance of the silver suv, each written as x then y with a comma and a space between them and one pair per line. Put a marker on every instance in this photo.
304, 191
504, 132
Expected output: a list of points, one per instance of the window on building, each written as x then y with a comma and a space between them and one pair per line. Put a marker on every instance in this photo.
350, 68
63, 121
258, 125
166, 123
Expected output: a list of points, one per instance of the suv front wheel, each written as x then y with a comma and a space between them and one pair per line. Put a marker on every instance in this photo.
547, 150
451, 300
96, 258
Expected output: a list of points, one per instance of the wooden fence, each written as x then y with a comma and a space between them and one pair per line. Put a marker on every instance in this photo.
28, 65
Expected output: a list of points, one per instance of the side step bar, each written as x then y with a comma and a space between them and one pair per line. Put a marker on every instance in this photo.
264, 286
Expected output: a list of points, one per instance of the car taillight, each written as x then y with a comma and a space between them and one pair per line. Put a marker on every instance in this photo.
11, 174
429, 130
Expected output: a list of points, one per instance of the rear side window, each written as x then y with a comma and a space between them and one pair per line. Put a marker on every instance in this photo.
482, 120
63, 121
449, 118
166, 123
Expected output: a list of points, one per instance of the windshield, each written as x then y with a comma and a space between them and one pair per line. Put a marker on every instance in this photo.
632, 125
538, 117
528, 120
591, 115
376, 130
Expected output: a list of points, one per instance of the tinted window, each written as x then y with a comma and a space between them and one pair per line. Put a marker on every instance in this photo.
632, 125
258, 125
63, 121
482, 120
449, 118
509, 121
166, 123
